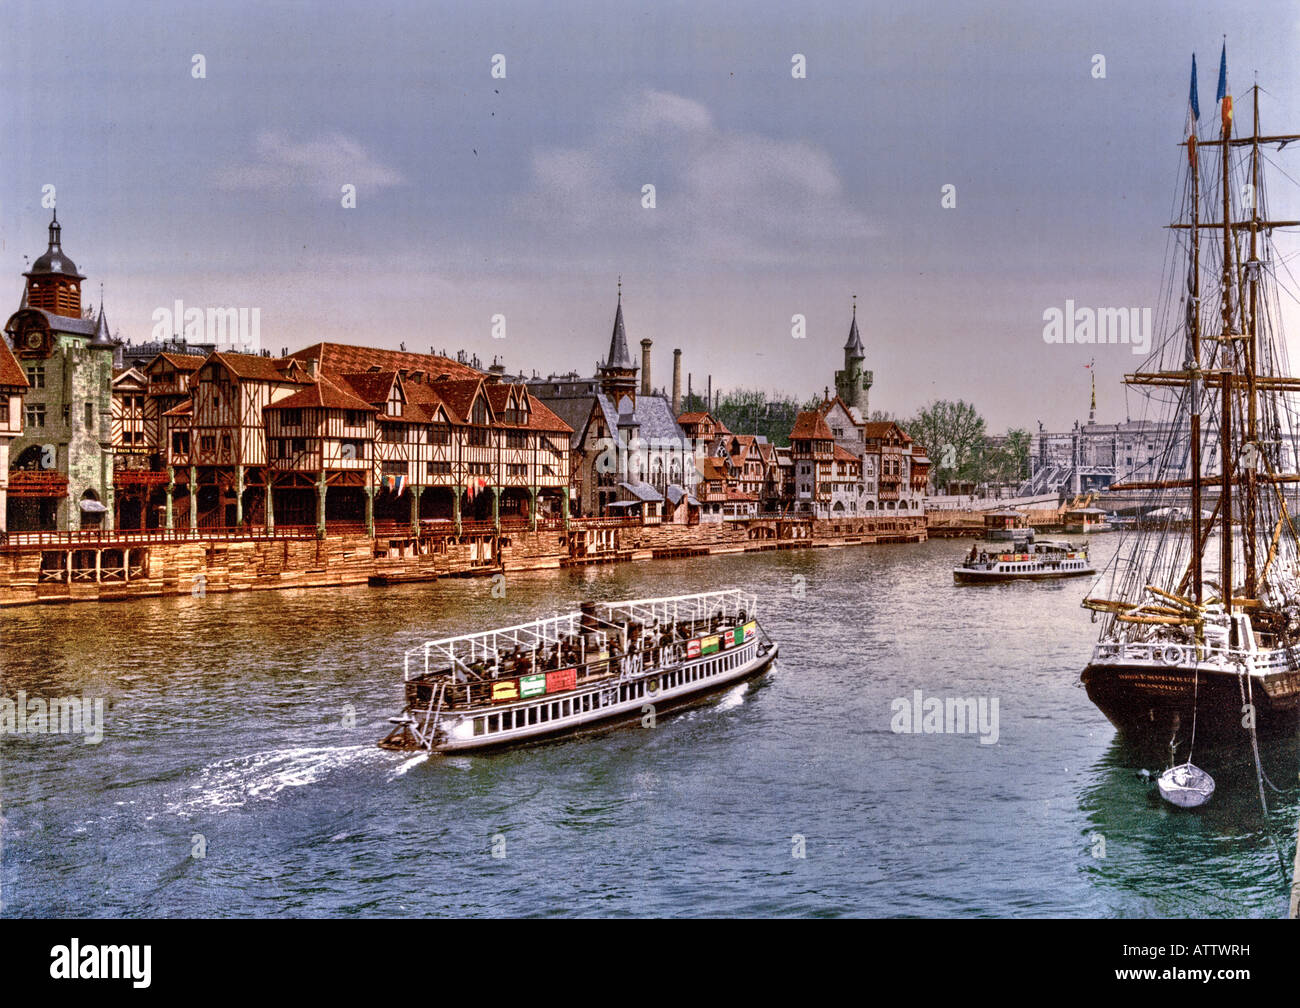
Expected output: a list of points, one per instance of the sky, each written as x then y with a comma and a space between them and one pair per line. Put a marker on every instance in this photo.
523, 196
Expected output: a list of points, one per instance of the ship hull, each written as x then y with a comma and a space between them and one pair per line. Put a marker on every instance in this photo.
1153, 704
962, 576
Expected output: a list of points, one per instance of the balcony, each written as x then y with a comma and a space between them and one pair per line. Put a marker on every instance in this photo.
37, 483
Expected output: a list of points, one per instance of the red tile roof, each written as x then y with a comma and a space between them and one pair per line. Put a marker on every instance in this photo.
341, 358
258, 368
881, 429
323, 394
811, 425
11, 375
842, 454
372, 386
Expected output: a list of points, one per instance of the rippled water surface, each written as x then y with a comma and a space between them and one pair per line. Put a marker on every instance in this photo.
243, 727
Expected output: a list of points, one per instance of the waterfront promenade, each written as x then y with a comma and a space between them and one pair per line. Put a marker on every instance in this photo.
91, 566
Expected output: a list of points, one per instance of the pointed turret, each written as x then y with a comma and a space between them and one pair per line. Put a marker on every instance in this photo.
618, 373
853, 348
853, 383
102, 340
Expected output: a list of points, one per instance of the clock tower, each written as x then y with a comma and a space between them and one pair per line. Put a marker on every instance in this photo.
61, 465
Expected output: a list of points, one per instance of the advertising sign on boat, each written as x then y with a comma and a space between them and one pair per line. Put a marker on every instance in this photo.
750, 629
729, 638
507, 690
693, 648
561, 679
710, 644
532, 685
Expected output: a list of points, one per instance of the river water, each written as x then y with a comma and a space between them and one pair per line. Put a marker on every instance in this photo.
238, 773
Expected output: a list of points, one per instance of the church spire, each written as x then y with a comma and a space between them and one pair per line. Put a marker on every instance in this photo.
619, 356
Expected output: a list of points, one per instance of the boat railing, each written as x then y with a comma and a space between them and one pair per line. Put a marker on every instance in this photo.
1176, 652
485, 647
550, 679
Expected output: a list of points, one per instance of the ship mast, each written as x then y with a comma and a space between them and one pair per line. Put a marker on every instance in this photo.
1225, 492
1234, 376
1194, 363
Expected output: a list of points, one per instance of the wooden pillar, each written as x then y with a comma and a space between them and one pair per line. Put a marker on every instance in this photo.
239, 496
126, 565
532, 508
194, 497
496, 508
322, 488
270, 503
370, 510
455, 507
171, 488
415, 509
99, 564
564, 492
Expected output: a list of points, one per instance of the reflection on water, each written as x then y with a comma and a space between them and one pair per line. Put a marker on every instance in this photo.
249, 722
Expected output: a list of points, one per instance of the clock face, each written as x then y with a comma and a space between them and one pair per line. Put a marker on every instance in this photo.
34, 340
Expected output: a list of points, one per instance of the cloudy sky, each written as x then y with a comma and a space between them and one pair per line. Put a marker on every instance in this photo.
522, 196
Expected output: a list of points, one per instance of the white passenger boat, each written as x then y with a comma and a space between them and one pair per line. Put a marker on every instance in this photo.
610, 662
1043, 561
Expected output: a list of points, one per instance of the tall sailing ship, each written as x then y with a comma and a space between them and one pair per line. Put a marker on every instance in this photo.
1200, 619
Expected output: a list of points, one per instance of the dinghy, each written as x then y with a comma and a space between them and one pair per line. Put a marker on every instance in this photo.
1185, 785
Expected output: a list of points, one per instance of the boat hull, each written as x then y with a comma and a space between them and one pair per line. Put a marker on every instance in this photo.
1152, 704
961, 575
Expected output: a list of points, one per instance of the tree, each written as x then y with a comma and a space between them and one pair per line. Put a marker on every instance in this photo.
746, 411
1018, 449
952, 434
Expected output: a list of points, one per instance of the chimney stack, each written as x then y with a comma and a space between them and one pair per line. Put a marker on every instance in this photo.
677, 382
645, 366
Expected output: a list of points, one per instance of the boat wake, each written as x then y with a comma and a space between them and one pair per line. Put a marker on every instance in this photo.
414, 761
262, 776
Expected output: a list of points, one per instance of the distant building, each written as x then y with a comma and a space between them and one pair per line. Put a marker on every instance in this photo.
1093, 456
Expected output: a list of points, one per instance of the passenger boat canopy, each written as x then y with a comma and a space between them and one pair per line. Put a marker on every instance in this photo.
594, 628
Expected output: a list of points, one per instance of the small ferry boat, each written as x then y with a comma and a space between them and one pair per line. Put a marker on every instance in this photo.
1085, 520
610, 662
1043, 561
1007, 525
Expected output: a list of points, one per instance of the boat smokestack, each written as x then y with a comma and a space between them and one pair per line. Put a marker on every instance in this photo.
677, 383
645, 366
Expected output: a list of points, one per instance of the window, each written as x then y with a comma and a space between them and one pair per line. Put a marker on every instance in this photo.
292, 417
225, 442
354, 418
36, 376
90, 414
180, 443
35, 414
208, 443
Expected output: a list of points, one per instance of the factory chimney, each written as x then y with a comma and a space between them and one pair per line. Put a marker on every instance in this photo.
645, 366
677, 383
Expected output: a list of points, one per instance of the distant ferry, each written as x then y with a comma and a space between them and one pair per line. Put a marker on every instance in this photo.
1044, 561
610, 662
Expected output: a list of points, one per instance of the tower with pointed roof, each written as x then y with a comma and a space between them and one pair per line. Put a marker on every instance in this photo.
853, 383
617, 374
62, 473
53, 283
